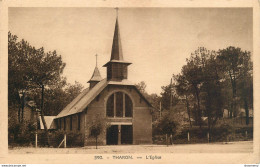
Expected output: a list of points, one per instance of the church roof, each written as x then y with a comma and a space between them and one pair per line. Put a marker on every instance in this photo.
117, 53
83, 99
86, 97
96, 75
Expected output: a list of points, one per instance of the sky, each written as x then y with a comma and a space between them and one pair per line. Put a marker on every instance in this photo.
156, 40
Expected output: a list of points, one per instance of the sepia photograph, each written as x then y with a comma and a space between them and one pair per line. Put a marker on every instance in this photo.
113, 82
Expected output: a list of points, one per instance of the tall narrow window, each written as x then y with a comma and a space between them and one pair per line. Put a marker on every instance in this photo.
110, 106
64, 123
79, 121
128, 106
71, 122
119, 104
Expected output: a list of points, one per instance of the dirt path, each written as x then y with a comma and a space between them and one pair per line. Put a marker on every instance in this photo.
232, 147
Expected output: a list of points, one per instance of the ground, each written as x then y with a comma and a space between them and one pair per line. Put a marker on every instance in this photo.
231, 147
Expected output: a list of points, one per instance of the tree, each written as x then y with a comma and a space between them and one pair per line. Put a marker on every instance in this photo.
168, 98
229, 59
51, 68
192, 74
170, 124
57, 97
97, 126
200, 78
95, 131
211, 87
141, 86
72, 90
31, 69
155, 101
184, 92
245, 82
18, 80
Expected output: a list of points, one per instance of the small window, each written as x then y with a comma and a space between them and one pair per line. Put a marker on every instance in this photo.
70, 122
60, 123
79, 121
64, 120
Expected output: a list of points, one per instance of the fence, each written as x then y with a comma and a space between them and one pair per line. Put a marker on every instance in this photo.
55, 138
197, 135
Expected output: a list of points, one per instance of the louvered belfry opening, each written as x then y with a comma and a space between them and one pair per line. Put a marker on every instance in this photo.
117, 67
117, 71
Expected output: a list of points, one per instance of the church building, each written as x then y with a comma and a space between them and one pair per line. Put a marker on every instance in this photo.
114, 100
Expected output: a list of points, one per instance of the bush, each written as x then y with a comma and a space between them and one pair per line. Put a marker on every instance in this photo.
170, 124
220, 133
74, 139
197, 135
21, 133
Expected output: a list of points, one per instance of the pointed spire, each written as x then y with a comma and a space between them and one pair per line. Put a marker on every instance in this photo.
116, 67
96, 74
117, 53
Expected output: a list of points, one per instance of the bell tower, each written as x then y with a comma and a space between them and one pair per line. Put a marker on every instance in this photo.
116, 67
96, 77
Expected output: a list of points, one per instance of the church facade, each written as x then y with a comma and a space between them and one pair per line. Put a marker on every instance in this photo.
115, 101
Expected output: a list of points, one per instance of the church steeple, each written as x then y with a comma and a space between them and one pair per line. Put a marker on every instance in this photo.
96, 77
116, 67
116, 53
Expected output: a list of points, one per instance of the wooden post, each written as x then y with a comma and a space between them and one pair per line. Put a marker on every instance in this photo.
171, 139
208, 136
61, 143
65, 141
166, 140
36, 140
188, 136
96, 142
36, 128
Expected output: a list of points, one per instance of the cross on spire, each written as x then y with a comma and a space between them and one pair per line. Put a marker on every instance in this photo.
96, 77
96, 59
116, 11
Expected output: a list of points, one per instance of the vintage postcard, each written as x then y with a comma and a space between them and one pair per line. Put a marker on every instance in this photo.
129, 82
